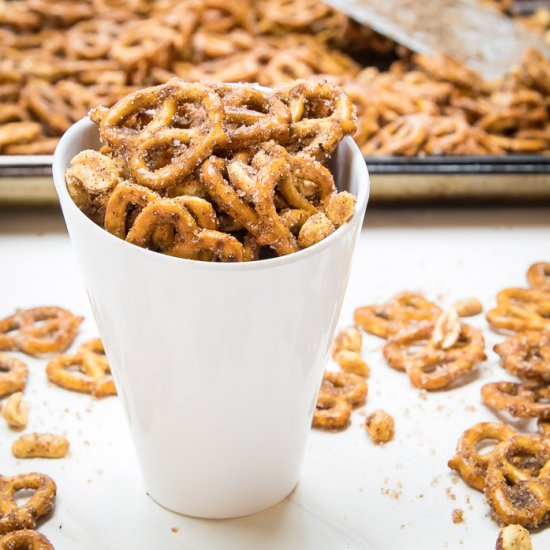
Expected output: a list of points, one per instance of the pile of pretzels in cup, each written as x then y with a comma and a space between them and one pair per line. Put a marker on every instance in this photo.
217, 172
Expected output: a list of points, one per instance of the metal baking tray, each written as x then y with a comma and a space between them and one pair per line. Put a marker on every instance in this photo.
27, 180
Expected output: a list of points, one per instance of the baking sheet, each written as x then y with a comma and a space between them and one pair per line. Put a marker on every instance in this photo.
27, 181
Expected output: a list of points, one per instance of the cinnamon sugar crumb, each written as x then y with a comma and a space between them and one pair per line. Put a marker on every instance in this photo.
458, 516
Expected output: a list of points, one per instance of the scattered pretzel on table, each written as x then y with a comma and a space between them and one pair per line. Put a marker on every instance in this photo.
25, 539
39, 331
526, 355
41, 502
517, 484
433, 367
93, 375
520, 400
468, 461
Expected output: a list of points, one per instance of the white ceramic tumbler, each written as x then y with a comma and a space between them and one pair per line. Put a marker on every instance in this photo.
217, 364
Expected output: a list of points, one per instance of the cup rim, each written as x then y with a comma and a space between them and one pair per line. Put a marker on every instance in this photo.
58, 170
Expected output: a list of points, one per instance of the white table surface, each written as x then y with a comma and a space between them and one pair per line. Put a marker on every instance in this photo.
352, 494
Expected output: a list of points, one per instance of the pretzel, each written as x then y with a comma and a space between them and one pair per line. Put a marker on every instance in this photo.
543, 426
332, 412
25, 539
259, 216
517, 485
519, 310
349, 386
433, 368
66, 11
13, 374
526, 355
39, 330
321, 116
468, 461
187, 144
18, 132
91, 39
93, 375
191, 240
401, 311
519, 400
14, 517
538, 276
36, 445
253, 116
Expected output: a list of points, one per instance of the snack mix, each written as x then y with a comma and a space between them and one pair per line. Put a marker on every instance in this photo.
59, 59
217, 171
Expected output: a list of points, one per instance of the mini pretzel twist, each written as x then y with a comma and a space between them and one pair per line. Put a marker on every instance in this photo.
351, 387
42, 501
519, 400
401, 311
39, 330
322, 115
517, 484
194, 223
93, 375
519, 310
247, 193
253, 116
332, 412
183, 120
431, 367
526, 355
468, 462
25, 539
13, 374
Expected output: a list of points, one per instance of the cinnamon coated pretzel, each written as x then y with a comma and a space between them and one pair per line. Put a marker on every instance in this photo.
321, 116
39, 330
166, 131
25, 539
432, 367
14, 517
527, 355
468, 461
349, 386
332, 412
519, 310
403, 310
517, 484
520, 400
93, 375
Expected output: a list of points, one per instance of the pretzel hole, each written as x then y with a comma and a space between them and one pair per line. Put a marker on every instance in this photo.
22, 496
138, 121
415, 348
486, 446
162, 154
526, 461
188, 116
318, 108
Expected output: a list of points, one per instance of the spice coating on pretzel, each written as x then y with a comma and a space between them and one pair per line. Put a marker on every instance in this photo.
526, 355
468, 461
520, 400
431, 367
39, 330
332, 412
517, 484
404, 309
351, 387
538, 276
194, 165
25, 539
93, 375
41, 502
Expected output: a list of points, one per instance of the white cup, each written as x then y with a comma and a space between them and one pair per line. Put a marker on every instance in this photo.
218, 364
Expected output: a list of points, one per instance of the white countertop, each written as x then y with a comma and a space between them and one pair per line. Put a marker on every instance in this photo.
352, 494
